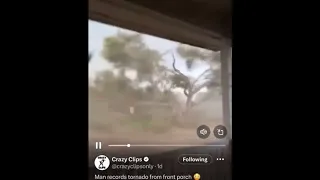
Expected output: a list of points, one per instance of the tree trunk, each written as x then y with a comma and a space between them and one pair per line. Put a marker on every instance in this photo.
122, 72
188, 106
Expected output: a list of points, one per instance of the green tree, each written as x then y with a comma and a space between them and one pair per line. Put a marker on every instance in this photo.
90, 57
209, 78
128, 51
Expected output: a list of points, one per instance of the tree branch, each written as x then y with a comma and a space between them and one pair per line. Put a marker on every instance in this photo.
188, 88
185, 91
177, 70
197, 89
198, 78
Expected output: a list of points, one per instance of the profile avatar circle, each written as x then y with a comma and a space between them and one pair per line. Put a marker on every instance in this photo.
102, 162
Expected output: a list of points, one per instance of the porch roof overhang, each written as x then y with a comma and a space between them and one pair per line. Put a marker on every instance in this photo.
202, 23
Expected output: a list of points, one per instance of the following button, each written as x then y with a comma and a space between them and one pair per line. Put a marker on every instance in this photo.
195, 159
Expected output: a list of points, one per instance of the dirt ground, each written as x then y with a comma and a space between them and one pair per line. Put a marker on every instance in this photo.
115, 128
176, 136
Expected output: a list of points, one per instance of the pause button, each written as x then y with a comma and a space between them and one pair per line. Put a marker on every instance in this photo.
98, 145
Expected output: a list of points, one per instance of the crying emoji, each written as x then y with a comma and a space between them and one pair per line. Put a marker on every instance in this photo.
196, 176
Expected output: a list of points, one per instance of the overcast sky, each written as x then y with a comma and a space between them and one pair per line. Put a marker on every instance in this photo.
99, 31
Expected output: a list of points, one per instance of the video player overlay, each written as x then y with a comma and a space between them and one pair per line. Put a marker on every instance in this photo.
211, 161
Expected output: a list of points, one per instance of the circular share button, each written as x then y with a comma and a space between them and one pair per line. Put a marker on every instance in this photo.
220, 131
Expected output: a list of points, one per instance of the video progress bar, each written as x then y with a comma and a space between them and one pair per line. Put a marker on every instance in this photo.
165, 145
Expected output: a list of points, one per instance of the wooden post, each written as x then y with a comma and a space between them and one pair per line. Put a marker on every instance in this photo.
131, 108
226, 78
